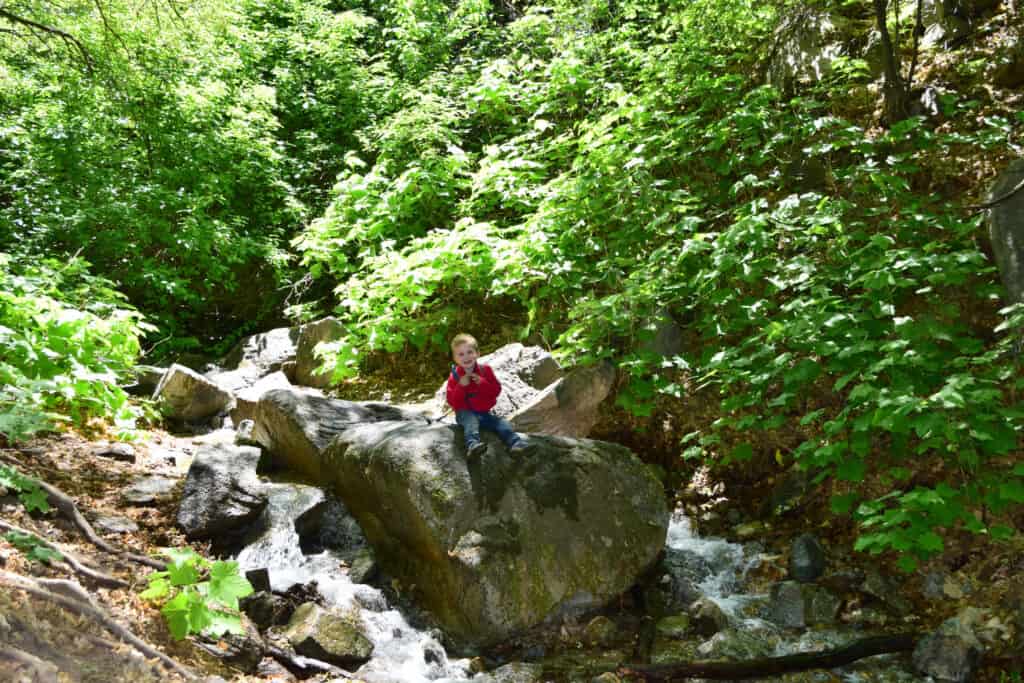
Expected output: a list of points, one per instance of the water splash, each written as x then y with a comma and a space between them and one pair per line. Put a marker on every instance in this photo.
402, 653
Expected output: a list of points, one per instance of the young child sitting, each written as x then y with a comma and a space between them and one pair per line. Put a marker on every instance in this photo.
472, 391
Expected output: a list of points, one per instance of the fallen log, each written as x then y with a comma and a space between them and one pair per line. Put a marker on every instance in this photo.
770, 666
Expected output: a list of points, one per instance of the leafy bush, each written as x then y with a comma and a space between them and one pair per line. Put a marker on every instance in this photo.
27, 488
197, 595
66, 336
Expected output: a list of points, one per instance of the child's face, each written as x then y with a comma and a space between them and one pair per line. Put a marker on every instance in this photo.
465, 356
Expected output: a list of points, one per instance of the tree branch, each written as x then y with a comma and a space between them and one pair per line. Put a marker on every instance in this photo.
53, 31
82, 609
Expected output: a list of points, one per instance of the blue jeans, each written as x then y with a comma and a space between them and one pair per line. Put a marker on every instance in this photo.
472, 422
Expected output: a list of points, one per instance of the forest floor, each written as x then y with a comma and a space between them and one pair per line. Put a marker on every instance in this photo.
971, 573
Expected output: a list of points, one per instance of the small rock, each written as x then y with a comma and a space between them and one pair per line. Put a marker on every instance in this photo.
243, 434
363, 568
599, 631
113, 524
315, 632
707, 618
266, 609
798, 605
516, 672
806, 559
886, 591
272, 669
117, 451
186, 395
951, 653
477, 665
259, 579
148, 490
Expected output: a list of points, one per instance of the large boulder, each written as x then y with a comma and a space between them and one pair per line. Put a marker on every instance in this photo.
498, 545
306, 362
296, 424
1006, 228
247, 400
222, 492
569, 407
186, 395
267, 350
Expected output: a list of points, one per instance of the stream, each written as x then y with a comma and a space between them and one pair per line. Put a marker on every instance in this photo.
713, 568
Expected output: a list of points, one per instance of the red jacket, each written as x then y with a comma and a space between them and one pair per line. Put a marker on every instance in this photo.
477, 397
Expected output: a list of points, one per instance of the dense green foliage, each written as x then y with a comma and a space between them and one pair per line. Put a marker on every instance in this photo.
599, 168
65, 339
197, 595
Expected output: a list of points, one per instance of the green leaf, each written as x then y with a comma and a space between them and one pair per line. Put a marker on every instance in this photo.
907, 563
176, 612
742, 452
930, 542
226, 585
183, 574
851, 469
35, 500
159, 588
842, 504
222, 622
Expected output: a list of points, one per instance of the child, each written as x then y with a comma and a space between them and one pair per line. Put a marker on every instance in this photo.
472, 391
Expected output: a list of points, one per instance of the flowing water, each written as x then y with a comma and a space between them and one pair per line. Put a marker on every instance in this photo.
713, 568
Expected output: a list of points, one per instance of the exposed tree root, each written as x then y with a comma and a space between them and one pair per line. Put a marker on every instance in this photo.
40, 589
41, 670
63, 502
770, 666
71, 560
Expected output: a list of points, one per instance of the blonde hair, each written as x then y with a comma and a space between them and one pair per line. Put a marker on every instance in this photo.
463, 338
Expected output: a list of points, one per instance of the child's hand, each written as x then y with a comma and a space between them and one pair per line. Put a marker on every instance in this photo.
464, 380
475, 377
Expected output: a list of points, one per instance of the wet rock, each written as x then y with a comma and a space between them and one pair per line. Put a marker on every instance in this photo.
886, 591
517, 672
951, 653
707, 618
266, 609
363, 568
1006, 229
806, 559
243, 434
149, 490
247, 399
328, 525
186, 395
675, 627
267, 350
117, 451
297, 424
315, 632
306, 362
799, 605
495, 547
271, 669
735, 646
568, 407
600, 631
114, 524
259, 579
222, 492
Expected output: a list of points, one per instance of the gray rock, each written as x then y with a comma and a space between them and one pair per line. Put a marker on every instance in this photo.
266, 609
951, 653
235, 380
364, 567
736, 646
244, 432
707, 618
247, 399
315, 632
808, 44
600, 631
296, 424
328, 525
799, 605
306, 363
1006, 229
149, 489
222, 492
186, 395
516, 672
806, 559
887, 592
267, 350
147, 377
497, 546
117, 451
569, 407
114, 524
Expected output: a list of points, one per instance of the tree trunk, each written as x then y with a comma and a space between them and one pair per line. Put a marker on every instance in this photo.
896, 98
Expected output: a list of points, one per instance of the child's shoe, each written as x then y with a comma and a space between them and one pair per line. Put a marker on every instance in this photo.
476, 450
521, 447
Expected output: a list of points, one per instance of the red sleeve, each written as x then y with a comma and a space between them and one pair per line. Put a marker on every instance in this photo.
489, 387
455, 394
